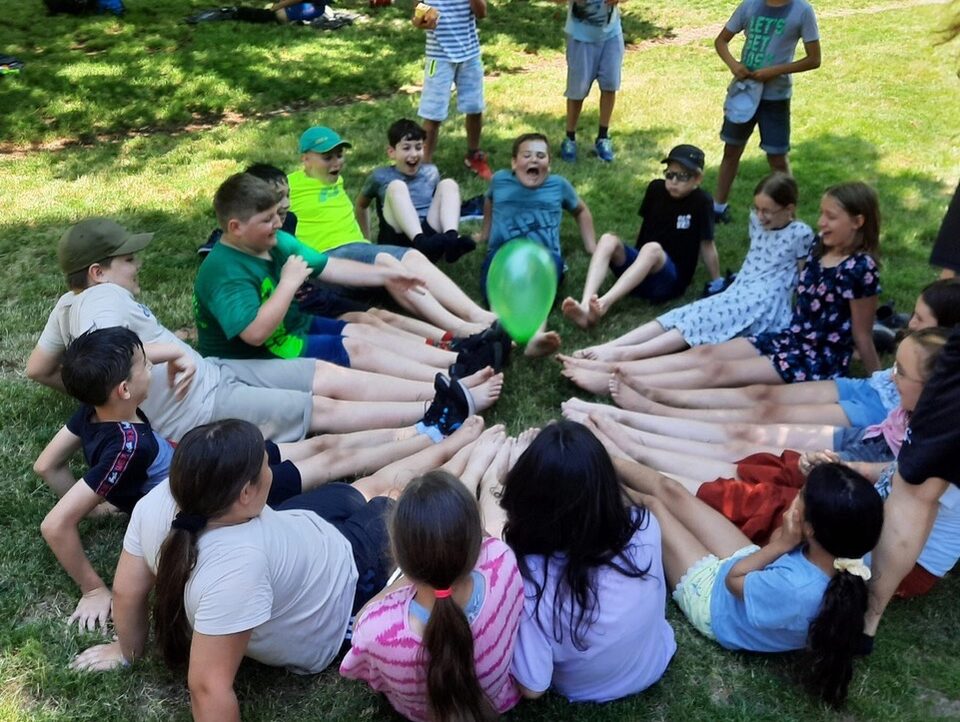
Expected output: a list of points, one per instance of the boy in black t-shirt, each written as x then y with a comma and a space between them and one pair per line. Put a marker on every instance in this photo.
677, 229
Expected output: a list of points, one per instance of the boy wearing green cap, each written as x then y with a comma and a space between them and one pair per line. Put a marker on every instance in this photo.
326, 222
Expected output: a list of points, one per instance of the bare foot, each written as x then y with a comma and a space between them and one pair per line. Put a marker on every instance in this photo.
585, 363
477, 377
593, 381
468, 329
598, 308
600, 427
486, 394
542, 344
576, 409
482, 455
493, 476
521, 443
103, 509
576, 313
468, 432
624, 396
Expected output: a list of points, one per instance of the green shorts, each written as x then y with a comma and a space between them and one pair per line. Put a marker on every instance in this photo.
695, 589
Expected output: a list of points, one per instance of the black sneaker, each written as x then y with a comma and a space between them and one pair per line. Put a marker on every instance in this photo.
469, 362
211, 242
723, 216
472, 209
451, 406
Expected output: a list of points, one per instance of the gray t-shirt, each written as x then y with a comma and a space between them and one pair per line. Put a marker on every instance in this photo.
107, 305
287, 575
421, 185
772, 34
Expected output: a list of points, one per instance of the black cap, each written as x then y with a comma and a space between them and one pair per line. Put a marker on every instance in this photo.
689, 156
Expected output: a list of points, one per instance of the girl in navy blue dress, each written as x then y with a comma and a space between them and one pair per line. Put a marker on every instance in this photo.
835, 306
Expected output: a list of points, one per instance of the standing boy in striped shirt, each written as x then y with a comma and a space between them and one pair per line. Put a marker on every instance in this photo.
453, 58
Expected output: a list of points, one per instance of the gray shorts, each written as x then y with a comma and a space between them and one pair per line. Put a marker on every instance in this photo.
439, 76
587, 62
274, 394
365, 252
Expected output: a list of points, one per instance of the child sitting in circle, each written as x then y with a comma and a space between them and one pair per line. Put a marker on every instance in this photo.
759, 299
528, 202
806, 589
833, 314
677, 228
593, 626
438, 642
414, 206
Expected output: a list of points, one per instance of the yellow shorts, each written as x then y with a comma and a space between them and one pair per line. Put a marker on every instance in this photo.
695, 589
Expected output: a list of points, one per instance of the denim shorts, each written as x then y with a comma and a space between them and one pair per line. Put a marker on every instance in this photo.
850, 444
773, 116
302, 12
657, 287
365, 252
861, 404
587, 62
438, 78
325, 342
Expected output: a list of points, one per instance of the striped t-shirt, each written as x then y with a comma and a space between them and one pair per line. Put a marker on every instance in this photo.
455, 37
387, 653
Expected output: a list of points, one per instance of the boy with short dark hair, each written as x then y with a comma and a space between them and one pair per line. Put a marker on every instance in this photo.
677, 228
415, 207
528, 202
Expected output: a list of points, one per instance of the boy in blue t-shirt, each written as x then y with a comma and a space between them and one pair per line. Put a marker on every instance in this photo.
528, 202
414, 206
760, 91
594, 52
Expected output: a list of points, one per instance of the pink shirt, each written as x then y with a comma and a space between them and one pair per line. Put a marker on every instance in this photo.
387, 655
893, 428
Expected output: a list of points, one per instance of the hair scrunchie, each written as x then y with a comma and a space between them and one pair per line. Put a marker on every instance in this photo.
192, 523
856, 567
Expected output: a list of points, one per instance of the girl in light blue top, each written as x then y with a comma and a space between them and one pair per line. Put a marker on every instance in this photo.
806, 589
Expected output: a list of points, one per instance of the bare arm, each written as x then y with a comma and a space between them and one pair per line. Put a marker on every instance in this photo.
60, 531
44, 368
487, 220
862, 313
131, 592
53, 463
810, 61
585, 223
180, 365
722, 45
270, 315
361, 209
708, 252
352, 273
479, 8
908, 516
213, 667
780, 544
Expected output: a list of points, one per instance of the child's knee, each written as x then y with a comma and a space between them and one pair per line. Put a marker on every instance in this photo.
447, 185
653, 253
358, 350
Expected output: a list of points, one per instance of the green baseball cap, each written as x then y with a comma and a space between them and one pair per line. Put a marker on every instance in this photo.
94, 240
320, 139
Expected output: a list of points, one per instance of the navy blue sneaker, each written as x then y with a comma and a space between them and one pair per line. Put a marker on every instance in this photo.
451, 406
472, 209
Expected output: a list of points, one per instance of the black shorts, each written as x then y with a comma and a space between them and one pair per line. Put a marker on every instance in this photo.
931, 447
319, 299
388, 236
363, 523
286, 477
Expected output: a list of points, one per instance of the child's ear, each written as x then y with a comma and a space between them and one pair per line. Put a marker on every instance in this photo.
233, 226
122, 391
858, 221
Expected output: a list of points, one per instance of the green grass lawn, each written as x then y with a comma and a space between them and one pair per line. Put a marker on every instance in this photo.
141, 118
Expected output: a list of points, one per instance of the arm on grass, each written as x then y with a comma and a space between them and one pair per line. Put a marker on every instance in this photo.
271, 313
60, 530
361, 209
213, 666
131, 593
810, 61
711, 259
44, 368
908, 516
722, 45
52, 465
862, 313
585, 224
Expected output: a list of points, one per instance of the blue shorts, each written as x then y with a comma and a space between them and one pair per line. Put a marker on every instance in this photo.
366, 252
363, 523
850, 444
773, 116
657, 287
438, 78
861, 404
286, 477
587, 62
558, 263
302, 11
325, 341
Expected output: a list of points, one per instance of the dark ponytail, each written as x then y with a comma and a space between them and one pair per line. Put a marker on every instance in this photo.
846, 514
436, 534
210, 467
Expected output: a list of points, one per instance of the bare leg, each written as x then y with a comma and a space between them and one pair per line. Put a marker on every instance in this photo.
491, 487
408, 324
398, 210
447, 293
641, 334
728, 171
432, 129
609, 249
391, 479
473, 122
574, 106
724, 373
299, 450
444, 213
340, 463
366, 356
543, 343
481, 457
608, 98
779, 162
331, 415
398, 343
651, 259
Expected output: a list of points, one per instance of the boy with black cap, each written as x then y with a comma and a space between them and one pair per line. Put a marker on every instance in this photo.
677, 228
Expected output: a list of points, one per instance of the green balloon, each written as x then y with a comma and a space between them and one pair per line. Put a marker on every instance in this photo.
521, 285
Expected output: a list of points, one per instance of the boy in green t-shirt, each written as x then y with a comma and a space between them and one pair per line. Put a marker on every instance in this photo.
244, 295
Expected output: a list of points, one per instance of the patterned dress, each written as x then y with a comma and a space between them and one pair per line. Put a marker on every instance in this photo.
819, 342
758, 300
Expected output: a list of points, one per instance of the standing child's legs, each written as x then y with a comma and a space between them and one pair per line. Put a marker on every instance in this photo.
432, 129
727, 173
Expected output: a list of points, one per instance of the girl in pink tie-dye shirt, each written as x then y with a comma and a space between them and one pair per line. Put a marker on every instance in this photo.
440, 645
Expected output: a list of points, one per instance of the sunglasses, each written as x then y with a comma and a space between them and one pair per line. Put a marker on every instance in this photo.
674, 175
